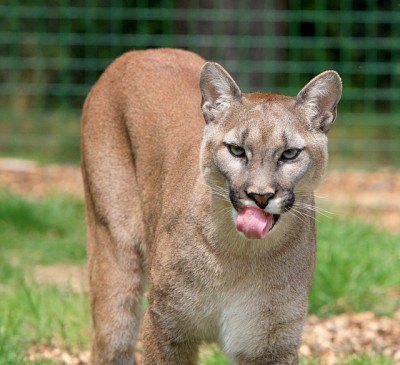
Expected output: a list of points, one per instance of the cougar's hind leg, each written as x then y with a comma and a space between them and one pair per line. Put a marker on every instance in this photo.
115, 244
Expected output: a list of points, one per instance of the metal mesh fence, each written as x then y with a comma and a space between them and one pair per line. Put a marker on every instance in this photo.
51, 52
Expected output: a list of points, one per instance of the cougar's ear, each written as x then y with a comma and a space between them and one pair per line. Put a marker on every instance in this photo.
218, 90
319, 99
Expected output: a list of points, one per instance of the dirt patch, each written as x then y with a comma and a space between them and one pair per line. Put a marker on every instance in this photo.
373, 197
36, 181
71, 276
39, 352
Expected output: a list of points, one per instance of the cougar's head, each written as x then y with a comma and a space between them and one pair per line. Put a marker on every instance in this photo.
262, 151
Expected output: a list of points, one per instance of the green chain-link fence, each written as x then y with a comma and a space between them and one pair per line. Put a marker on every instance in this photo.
51, 52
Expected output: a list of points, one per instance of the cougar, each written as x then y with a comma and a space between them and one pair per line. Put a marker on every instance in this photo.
202, 196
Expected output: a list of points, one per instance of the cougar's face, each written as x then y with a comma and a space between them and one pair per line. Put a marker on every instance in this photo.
262, 153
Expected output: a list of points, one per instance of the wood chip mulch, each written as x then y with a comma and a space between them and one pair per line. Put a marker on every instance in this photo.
349, 335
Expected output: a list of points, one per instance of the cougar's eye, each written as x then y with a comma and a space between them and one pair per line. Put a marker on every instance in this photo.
290, 154
236, 150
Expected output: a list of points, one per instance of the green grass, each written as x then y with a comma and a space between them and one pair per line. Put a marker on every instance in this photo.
211, 355
49, 231
43, 232
356, 267
38, 314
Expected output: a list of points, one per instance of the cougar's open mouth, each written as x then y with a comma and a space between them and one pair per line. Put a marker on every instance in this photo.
276, 219
255, 223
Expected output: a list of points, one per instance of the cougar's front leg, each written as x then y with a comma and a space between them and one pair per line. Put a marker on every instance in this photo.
287, 357
278, 346
163, 348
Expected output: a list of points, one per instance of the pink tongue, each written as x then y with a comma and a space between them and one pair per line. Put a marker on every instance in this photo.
254, 222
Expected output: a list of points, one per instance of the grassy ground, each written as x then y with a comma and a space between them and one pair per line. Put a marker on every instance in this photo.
364, 141
357, 266
39, 233
46, 137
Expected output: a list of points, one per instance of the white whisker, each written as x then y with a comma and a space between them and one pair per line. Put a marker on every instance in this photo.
310, 194
313, 208
321, 196
297, 214
302, 212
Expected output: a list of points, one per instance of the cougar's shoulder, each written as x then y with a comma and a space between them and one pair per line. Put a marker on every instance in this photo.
149, 102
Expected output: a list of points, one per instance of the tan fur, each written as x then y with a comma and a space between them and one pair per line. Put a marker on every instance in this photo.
162, 192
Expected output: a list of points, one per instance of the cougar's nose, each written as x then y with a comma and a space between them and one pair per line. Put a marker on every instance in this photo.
260, 199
